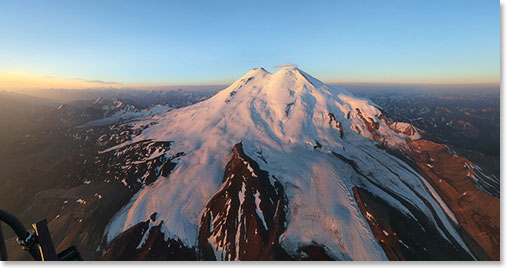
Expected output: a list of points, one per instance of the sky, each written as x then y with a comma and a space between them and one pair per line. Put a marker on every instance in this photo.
79, 44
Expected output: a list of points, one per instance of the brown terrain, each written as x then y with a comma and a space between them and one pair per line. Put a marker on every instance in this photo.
78, 210
452, 177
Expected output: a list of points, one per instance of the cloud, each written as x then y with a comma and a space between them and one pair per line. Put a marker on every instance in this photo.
286, 65
99, 82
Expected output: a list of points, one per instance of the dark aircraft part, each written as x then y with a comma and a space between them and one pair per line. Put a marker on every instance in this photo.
38, 242
46, 247
3, 247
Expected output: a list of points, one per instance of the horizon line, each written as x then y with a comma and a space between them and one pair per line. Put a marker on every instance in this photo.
220, 86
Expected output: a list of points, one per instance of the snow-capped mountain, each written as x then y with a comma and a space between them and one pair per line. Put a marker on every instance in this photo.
283, 167
113, 110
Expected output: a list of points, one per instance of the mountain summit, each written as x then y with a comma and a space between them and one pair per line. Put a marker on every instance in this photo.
280, 166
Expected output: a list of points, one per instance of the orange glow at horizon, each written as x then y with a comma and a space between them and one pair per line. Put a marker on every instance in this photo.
11, 80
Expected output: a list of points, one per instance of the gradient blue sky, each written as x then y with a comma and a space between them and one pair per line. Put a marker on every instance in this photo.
210, 42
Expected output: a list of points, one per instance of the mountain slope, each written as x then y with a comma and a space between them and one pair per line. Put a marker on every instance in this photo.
319, 144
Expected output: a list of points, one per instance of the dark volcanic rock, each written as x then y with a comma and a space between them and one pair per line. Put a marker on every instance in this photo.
244, 220
145, 242
314, 252
371, 126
